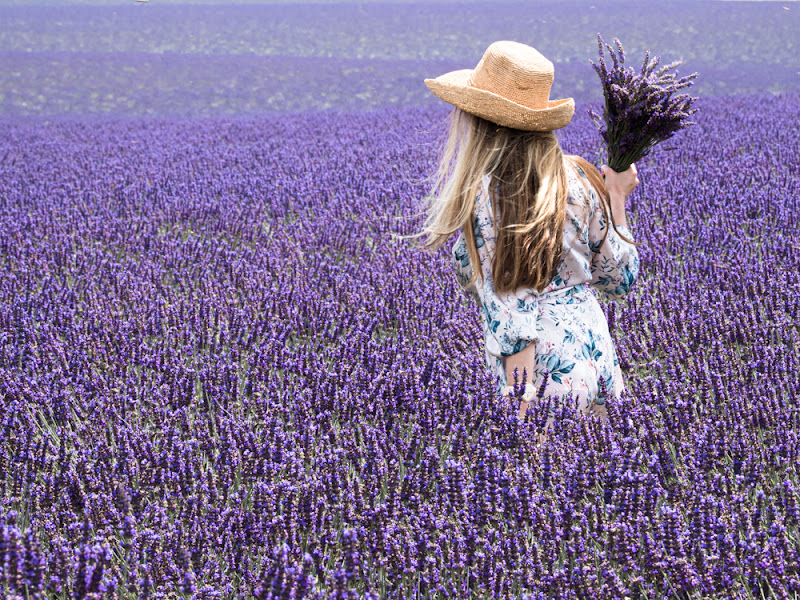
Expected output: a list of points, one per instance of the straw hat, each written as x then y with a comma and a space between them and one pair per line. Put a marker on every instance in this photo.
510, 87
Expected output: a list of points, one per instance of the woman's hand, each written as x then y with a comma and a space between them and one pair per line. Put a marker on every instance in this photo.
620, 184
524, 359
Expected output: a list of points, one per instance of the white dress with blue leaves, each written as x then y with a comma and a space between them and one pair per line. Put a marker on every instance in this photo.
565, 320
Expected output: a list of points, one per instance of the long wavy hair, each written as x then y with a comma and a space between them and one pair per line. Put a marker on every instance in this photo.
530, 170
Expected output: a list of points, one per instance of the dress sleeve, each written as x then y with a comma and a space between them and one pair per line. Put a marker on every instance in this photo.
615, 263
462, 265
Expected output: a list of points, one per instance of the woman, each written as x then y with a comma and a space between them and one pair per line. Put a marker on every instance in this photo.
534, 236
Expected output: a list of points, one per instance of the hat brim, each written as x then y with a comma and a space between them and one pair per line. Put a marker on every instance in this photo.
453, 88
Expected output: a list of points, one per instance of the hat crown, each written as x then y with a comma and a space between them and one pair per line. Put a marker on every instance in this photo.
510, 86
515, 71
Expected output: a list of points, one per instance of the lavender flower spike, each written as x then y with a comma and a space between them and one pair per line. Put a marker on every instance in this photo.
640, 110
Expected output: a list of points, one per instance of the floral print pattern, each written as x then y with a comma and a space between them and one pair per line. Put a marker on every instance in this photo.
565, 320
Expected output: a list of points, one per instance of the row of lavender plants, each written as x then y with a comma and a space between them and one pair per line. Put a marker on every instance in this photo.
141, 84
223, 375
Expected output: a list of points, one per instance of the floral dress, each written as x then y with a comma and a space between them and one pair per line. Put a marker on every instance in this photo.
565, 320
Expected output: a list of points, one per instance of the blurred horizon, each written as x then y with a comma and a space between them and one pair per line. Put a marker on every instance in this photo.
178, 58
24, 3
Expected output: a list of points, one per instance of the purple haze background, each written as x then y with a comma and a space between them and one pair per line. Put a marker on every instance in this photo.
223, 375
230, 60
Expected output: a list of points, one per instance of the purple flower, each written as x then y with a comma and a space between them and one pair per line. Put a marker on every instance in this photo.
639, 108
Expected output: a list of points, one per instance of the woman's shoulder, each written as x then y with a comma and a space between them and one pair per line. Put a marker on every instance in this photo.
572, 162
582, 178
578, 186
579, 165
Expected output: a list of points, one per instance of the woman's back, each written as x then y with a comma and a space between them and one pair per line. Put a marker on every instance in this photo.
564, 320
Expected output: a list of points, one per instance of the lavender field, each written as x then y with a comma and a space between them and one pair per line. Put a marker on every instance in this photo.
224, 374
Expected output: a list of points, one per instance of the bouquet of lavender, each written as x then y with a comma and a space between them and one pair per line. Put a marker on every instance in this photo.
640, 108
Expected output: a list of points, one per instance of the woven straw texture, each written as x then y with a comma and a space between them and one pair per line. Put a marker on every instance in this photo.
510, 86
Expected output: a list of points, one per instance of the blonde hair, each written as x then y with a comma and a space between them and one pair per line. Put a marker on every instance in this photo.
529, 168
